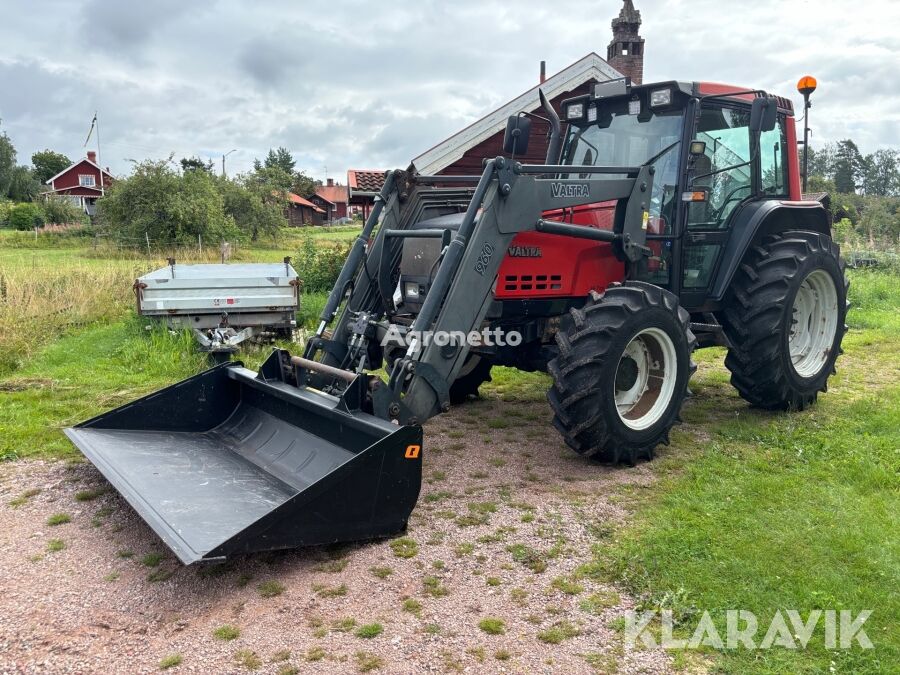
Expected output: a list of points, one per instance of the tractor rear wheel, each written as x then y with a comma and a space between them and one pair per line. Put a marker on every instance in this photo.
785, 320
622, 372
476, 371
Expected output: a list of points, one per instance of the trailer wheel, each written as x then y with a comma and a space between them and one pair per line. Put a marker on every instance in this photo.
622, 372
476, 371
785, 320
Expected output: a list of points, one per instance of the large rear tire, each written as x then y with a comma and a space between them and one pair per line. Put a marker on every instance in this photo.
785, 320
622, 372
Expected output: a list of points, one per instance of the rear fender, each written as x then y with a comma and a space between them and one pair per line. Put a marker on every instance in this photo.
758, 220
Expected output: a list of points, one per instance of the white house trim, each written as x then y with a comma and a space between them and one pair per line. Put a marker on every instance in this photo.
445, 153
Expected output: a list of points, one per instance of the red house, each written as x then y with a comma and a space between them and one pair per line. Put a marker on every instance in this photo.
332, 199
300, 211
83, 183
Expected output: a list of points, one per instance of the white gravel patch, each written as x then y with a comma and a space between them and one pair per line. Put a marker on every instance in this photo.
501, 492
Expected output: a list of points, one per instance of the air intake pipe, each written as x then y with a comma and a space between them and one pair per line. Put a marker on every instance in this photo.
555, 145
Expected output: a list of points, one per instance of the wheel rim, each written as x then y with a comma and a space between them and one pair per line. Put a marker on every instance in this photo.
645, 378
813, 323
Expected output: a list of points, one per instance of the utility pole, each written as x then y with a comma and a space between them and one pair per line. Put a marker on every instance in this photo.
806, 86
223, 161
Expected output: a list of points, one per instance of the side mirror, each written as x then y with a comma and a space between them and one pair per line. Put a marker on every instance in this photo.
518, 131
763, 114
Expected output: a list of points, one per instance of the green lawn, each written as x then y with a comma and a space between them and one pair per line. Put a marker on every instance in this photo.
763, 511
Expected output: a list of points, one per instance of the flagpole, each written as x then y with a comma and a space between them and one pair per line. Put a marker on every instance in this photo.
96, 117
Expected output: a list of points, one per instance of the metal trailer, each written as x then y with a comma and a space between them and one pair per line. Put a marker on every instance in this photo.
222, 304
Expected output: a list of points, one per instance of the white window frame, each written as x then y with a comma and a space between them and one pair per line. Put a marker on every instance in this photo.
82, 176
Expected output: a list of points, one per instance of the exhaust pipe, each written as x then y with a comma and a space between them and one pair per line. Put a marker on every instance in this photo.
553, 149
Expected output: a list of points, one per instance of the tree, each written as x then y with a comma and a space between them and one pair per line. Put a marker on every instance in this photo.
23, 186
821, 161
278, 158
7, 163
255, 206
848, 166
170, 208
195, 164
47, 164
303, 185
61, 211
881, 175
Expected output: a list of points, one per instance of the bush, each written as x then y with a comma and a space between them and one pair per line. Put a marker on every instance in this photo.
320, 262
26, 216
61, 211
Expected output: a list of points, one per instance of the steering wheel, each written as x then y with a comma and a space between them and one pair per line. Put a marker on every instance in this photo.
717, 212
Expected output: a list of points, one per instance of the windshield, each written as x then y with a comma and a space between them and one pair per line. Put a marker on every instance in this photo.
620, 139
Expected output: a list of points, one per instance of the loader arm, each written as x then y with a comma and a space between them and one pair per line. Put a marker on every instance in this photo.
508, 198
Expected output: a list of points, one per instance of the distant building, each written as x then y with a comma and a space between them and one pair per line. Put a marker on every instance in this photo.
332, 199
83, 183
300, 211
363, 186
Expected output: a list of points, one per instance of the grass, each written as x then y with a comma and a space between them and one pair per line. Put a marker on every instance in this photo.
330, 591
170, 661
771, 511
367, 661
90, 495
369, 631
227, 633
381, 572
55, 545
152, 559
558, 632
270, 589
59, 519
24, 497
492, 626
412, 606
248, 659
404, 547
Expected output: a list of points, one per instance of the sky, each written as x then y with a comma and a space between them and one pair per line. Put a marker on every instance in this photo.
372, 85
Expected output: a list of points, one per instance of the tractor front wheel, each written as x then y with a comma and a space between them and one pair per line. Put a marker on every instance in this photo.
785, 320
622, 372
476, 371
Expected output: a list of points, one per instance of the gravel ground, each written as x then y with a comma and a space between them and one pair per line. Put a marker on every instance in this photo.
506, 514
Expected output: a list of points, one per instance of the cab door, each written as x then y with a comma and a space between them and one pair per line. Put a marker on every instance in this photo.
727, 174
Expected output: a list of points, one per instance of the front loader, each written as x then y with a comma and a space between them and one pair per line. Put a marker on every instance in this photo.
665, 217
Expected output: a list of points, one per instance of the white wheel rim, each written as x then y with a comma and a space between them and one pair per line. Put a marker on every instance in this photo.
814, 319
653, 366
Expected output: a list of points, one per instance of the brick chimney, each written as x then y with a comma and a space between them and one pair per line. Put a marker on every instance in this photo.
92, 156
626, 51
330, 182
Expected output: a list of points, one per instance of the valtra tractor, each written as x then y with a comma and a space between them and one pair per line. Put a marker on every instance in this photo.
666, 217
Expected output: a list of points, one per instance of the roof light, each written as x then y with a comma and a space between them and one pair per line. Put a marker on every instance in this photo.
660, 97
634, 107
592, 114
575, 111
807, 85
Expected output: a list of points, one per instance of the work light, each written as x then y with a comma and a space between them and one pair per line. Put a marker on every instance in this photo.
592, 114
660, 97
412, 290
575, 111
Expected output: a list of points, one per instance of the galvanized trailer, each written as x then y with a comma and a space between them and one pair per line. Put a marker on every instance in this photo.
222, 304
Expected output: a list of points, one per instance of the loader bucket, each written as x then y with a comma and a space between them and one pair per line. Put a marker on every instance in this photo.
227, 462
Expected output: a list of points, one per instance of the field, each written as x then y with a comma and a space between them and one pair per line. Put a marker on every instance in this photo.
521, 555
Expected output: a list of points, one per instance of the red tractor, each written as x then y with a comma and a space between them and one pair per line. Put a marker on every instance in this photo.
666, 217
